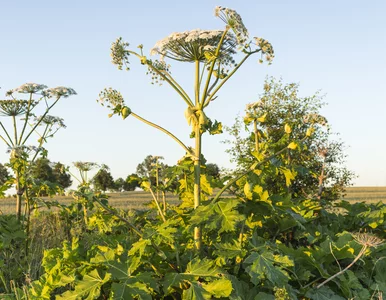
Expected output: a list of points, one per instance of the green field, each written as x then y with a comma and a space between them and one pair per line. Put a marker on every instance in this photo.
138, 199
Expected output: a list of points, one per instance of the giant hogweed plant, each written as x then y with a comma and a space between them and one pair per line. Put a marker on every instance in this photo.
213, 52
254, 245
28, 115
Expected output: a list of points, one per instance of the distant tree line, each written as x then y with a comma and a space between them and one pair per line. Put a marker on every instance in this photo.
45, 172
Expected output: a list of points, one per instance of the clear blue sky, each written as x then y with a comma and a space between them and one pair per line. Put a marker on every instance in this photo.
336, 46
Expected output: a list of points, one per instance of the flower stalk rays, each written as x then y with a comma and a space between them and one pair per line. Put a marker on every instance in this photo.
213, 53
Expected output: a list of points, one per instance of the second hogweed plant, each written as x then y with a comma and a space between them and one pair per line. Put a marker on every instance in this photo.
214, 54
28, 115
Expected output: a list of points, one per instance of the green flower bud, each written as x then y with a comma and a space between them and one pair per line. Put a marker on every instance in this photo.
125, 112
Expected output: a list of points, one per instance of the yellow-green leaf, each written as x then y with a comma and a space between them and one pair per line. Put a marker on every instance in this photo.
287, 128
292, 146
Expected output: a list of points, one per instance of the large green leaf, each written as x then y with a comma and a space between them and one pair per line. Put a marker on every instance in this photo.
226, 216
267, 267
87, 288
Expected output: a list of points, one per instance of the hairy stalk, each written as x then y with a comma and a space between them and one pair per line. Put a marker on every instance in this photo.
157, 203
163, 130
363, 250
197, 184
164, 201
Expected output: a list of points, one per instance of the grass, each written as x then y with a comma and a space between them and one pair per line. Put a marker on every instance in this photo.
138, 199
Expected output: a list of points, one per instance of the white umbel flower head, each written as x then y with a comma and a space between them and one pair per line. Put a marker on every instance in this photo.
28, 88
190, 46
60, 91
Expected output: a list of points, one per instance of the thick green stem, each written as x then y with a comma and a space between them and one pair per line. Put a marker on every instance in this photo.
164, 201
197, 184
19, 193
163, 130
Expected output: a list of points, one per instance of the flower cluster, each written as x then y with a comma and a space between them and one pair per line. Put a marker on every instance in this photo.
59, 92
266, 49
254, 105
28, 88
112, 98
22, 150
367, 239
315, 119
194, 45
119, 54
15, 107
234, 21
50, 120
160, 66
84, 165
114, 101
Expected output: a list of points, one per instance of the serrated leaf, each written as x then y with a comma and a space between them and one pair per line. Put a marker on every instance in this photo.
88, 288
261, 267
139, 247
227, 216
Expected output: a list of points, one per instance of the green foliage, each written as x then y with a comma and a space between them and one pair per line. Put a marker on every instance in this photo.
282, 117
